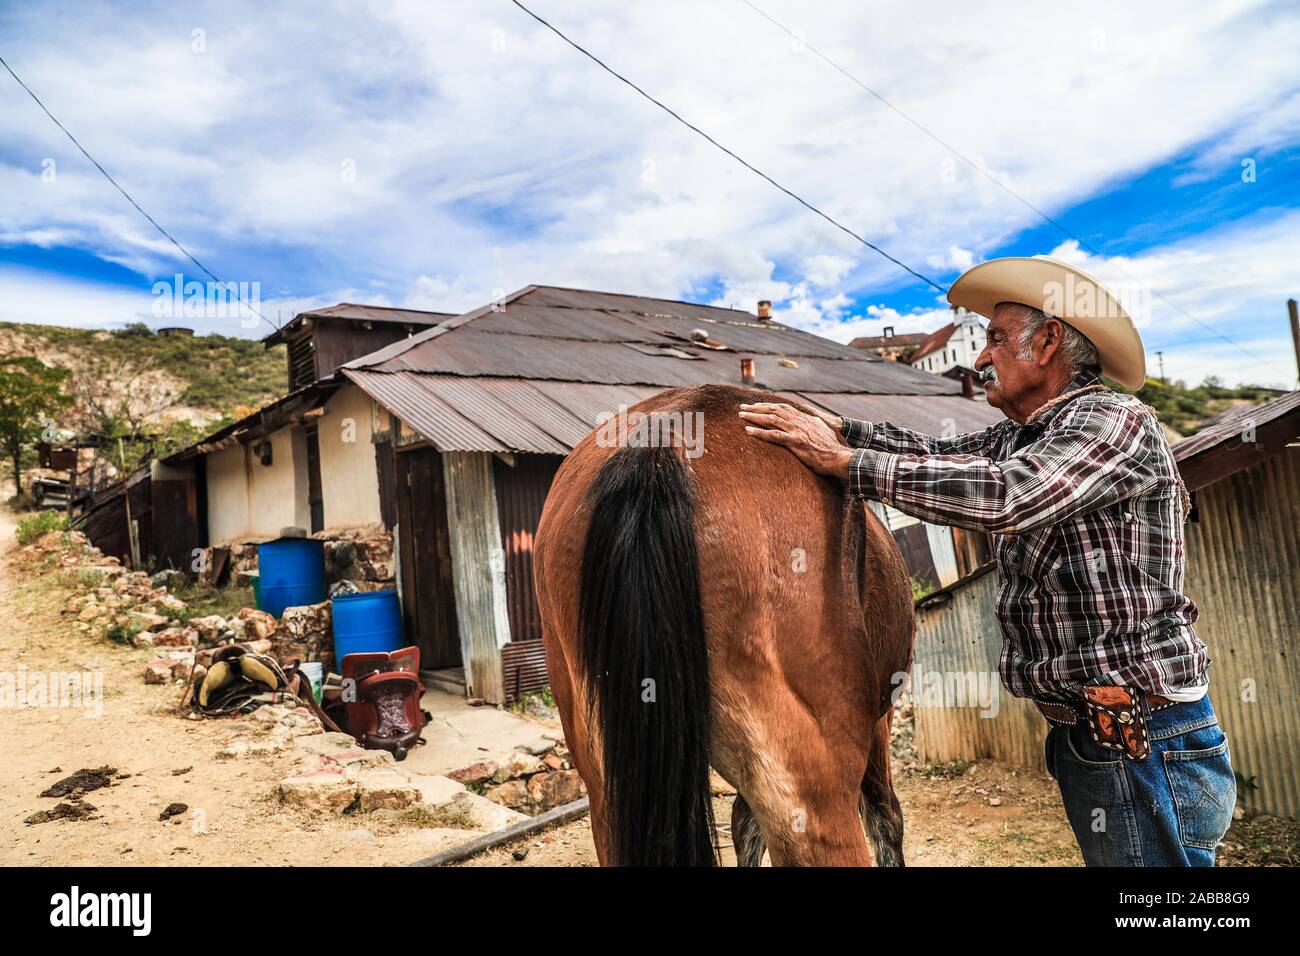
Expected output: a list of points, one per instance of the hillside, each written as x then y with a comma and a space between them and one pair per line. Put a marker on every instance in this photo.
220, 374
145, 394
1184, 410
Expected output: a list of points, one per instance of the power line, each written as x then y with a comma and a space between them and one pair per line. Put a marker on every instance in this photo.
985, 173
170, 238
691, 126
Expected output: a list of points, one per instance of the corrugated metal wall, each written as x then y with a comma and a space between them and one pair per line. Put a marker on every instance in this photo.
478, 570
521, 492
1243, 569
961, 637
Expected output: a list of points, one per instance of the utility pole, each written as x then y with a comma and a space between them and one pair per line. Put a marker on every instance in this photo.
1295, 333
1160, 356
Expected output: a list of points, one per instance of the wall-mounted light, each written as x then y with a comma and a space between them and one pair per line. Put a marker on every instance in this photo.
263, 452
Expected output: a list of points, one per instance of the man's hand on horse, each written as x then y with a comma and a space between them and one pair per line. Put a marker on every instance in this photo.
813, 439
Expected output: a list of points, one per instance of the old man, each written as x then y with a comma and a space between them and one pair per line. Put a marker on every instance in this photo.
1083, 496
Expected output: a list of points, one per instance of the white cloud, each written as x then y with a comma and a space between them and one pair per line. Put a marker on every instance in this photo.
410, 152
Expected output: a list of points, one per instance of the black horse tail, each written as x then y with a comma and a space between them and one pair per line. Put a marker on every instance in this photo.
643, 645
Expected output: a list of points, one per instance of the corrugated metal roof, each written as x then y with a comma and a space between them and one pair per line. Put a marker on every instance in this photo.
378, 313
361, 313
458, 413
532, 372
1229, 426
467, 351
875, 341
570, 335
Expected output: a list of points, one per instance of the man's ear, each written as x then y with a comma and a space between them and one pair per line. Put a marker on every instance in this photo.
1051, 332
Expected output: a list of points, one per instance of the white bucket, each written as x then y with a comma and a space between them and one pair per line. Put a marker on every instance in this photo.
314, 671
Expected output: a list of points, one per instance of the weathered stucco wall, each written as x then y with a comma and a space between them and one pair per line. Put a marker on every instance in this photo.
227, 494
349, 480
248, 500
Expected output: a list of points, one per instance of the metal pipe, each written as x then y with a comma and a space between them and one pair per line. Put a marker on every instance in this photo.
563, 814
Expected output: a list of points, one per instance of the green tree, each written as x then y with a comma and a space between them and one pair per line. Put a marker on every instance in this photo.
30, 392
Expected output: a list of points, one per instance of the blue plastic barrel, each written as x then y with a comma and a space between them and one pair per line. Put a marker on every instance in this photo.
291, 573
366, 623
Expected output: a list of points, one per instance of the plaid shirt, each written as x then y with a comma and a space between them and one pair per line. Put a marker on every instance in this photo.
1086, 506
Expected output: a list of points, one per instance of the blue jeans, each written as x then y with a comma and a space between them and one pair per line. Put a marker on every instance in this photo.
1171, 809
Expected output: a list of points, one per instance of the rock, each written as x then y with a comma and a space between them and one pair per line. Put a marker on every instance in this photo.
547, 790
519, 765
321, 791
553, 762
537, 747
294, 721
383, 788
475, 773
145, 621
485, 813
373, 557
310, 627
258, 625
211, 628
163, 577
91, 611
435, 789
326, 744
176, 637
143, 639
158, 671
357, 759
512, 793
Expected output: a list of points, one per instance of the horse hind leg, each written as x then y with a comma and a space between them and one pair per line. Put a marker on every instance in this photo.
881, 812
746, 835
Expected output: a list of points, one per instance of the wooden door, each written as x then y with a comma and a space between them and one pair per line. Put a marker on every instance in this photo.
428, 600
315, 497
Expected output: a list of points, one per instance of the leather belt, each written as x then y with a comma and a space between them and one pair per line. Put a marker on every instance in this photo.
1116, 716
1069, 713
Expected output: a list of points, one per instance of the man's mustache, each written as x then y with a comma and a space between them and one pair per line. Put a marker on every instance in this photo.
988, 375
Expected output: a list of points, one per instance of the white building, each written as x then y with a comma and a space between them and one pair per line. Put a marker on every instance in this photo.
956, 344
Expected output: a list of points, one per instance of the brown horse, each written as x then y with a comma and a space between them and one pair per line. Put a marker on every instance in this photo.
728, 609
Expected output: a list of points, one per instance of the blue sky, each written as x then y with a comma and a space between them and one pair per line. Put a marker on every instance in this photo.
436, 155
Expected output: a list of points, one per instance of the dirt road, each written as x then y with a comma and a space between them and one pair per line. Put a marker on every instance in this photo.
232, 815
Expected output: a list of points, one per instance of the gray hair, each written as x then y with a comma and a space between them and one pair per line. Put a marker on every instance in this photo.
1077, 352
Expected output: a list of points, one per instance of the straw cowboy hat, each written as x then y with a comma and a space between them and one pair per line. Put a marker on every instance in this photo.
1065, 293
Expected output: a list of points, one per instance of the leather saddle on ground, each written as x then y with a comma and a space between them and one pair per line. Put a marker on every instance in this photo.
383, 712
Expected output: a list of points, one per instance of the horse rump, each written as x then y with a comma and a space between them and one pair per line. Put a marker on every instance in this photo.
642, 640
